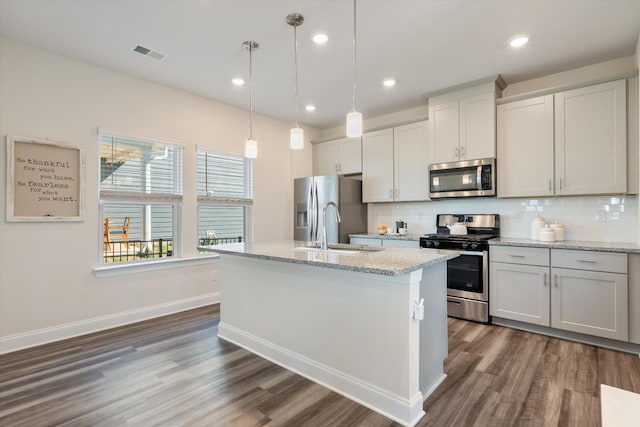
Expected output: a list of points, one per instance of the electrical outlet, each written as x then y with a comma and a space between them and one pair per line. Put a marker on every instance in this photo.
214, 276
421, 216
601, 216
517, 217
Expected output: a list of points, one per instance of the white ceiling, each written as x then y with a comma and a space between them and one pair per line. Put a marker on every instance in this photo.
425, 45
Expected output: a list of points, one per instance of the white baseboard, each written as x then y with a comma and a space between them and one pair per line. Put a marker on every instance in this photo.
433, 387
69, 330
404, 411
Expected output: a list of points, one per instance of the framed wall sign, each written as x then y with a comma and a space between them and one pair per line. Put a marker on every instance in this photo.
45, 180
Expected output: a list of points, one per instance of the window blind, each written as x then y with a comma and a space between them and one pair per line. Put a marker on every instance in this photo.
137, 168
224, 176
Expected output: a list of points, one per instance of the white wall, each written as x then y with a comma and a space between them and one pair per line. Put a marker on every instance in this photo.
46, 269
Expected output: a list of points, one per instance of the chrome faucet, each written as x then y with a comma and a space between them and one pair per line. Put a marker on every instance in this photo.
324, 245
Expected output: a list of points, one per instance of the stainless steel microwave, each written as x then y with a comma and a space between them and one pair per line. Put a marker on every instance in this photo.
471, 178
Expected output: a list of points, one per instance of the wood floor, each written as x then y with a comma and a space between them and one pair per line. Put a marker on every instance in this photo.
174, 371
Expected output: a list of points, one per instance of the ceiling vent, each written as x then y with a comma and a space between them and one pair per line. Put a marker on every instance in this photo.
149, 52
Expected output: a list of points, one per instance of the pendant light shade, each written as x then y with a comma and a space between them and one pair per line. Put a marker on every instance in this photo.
251, 145
354, 124
354, 119
296, 137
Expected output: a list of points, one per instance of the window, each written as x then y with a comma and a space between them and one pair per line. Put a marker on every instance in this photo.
140, 198
225, 197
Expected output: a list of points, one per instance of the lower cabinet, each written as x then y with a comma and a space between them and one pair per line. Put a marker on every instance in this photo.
590, 302
387, 243
519, 292
575, 290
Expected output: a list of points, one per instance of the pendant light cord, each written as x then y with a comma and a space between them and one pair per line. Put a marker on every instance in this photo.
250, 91
354, 55
295, 56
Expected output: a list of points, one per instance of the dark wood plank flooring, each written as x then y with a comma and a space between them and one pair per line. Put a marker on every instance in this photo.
174, 371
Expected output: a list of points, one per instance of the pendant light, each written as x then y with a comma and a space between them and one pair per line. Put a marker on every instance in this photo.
251, 145
354, 119
296, 139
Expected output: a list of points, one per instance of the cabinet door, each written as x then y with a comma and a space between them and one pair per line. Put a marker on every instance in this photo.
365, 241
350, 155
377, 166
398, 243
590, 302
325, 158
591, 140
519, 292
444, 132
411, 162
525, 148
478, 127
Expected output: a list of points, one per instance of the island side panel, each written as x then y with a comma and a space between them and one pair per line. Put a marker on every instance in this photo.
433, 329
332, 325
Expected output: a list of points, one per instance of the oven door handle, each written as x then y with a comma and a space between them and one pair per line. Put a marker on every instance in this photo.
476, 253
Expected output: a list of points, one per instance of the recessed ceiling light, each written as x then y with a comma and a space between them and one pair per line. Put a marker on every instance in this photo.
388, 82
237, 81
320, 38
310, 108
519, 41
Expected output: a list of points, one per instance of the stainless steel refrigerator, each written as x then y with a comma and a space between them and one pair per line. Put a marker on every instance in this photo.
310, 196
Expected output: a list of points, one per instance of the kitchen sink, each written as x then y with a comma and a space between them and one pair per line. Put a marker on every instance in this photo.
342, 248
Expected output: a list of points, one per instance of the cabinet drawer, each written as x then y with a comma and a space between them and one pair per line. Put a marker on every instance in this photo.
589, 260
519, 255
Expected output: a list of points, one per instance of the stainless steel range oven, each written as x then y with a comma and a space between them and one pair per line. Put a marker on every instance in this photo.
468, 274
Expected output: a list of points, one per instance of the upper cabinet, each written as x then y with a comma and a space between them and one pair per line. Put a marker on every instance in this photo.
591, 139
525, 148
342, 156
462, 124
394, 164
568, 143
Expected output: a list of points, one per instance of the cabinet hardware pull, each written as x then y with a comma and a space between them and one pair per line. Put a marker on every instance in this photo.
462, 151
549, 184
391, 193
590, 261
561, 183
453, 302
397, 192
555, 278
516, 256
457, 152
545, 280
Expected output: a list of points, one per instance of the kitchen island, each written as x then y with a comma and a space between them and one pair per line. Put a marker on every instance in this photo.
342, 318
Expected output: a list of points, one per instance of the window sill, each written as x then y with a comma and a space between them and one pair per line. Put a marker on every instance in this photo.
165, 264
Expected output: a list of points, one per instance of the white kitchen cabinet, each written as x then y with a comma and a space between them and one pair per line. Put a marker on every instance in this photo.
377, 166
573, 290
568, 143
365, 241
394, 164
525, 148
594, 299
342, 156
462, 125
399, 243
591, 139
519, 287
410, 162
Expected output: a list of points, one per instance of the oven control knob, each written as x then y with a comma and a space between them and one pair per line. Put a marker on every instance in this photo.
465, 245
436, 244
474, 245
426, 243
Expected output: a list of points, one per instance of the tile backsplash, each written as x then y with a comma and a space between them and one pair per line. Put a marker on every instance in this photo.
600, 219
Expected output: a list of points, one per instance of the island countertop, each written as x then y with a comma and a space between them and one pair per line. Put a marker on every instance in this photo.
388, 261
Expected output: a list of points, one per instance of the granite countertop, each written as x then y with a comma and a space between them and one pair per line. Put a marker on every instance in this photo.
388, 261
569, 244
415, 237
